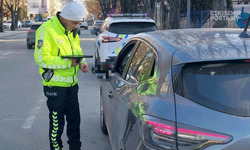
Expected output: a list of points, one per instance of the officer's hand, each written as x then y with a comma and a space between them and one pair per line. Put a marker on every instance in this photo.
84, 68
74, 63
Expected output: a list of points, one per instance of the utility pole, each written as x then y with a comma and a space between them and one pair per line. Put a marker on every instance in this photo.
156, 11
188, 13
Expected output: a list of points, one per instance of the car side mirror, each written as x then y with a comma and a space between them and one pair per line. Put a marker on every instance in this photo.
94, 32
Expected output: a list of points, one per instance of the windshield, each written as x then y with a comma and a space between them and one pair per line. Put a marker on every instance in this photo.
222, 86
132, 27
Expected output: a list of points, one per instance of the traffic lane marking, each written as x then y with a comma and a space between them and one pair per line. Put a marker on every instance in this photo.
12, 40
32, 115
5, 52
87, 39
8, 53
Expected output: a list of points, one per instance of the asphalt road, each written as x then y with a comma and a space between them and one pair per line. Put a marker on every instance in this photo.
23, 111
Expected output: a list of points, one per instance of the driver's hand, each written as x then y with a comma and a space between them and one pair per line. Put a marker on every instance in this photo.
84, 68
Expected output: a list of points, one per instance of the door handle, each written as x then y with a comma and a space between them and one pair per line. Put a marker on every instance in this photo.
110, 94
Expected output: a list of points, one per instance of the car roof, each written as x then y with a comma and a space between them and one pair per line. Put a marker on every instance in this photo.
195, 45
111, 20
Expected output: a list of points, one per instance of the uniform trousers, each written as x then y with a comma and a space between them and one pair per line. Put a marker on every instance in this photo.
63, 103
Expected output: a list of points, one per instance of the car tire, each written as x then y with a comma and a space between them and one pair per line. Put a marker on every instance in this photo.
29, 46
102, 117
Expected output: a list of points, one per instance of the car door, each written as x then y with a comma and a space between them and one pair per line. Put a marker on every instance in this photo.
125, 108
117, 91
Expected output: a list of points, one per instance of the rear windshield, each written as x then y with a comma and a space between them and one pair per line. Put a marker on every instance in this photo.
35, 26
223, 86
99, 22
132, 27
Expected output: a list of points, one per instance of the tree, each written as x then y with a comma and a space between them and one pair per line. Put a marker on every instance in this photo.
1, 15
93, 6
13, 6
174, 14
129, 6
148, 7
107, 5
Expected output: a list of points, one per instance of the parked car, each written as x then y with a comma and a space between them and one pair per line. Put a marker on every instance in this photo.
31, 34
114, 33
44, 19
22, 22
28, 23
184, 89
7, 24
84, 25
97, 24
90, 22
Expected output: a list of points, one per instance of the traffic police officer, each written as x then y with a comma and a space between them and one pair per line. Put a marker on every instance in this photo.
54, 39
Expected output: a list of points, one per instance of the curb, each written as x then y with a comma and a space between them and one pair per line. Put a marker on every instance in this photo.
10, 35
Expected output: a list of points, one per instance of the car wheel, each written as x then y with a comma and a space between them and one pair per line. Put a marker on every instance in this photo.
102, 118
29, 46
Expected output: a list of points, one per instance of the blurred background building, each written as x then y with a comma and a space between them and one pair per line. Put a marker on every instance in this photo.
46, 8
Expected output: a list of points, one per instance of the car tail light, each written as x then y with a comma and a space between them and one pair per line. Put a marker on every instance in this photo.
158, 135
30, 31
165, 136
107, 39
247, 60
197, 138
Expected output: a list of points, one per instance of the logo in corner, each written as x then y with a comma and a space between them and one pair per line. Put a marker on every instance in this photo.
40, 44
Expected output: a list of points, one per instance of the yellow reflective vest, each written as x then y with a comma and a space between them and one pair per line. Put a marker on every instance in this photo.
53, 41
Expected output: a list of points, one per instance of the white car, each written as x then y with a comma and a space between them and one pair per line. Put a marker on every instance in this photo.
83, 25
8, 23
116, 30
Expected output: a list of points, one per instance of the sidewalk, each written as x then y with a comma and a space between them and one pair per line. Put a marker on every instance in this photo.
8, 33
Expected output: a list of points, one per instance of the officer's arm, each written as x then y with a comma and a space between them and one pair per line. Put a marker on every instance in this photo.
43, 48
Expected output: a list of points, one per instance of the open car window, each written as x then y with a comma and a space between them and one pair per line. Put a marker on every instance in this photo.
123, 58
142, 64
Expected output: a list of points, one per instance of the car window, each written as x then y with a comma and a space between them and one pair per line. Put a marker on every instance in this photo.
103, 27
223, 86
142, 64
132, 27
35, 26
123, 57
